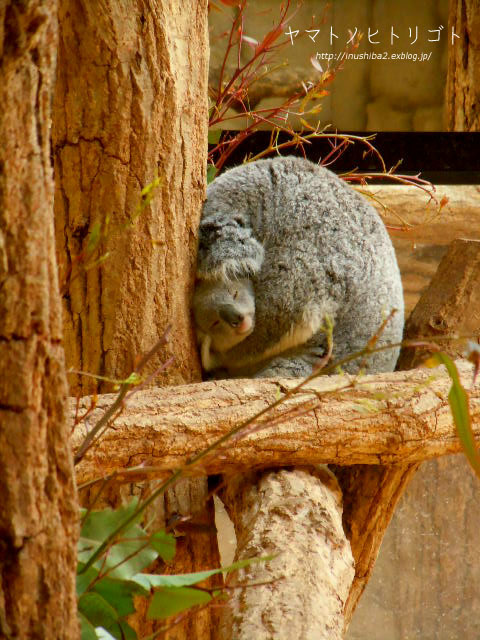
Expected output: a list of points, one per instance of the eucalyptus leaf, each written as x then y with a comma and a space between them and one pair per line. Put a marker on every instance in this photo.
127, 633
84, 580
93, 237
214, 136
458, 401
164, 544
97, 610
169, 601
120, 593
211, 173
148, 580
124, 558
87, 630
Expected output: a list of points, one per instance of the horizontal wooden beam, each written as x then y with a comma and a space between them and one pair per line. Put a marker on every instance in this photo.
394, 418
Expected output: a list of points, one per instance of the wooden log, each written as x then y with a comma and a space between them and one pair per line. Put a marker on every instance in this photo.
296, 516
393, 418
421, 246
371, 493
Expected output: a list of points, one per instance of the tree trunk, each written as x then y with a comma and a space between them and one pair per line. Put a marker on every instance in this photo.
38, 515
131, 104
450, 304
449, 307
371, 494
296, 516
420, 250
463, 79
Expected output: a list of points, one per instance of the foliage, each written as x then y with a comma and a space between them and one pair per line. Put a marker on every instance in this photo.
458, 401
106, 588
235, 91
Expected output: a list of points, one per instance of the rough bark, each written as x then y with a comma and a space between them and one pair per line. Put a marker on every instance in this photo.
463, 78
388, 419
131, 104
38, 515
295, 516
398, 420
438, 510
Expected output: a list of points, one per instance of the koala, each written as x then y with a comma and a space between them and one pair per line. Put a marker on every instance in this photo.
284, 246
224, 312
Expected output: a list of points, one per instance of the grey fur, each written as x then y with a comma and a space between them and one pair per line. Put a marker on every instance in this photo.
312, 247
224, 312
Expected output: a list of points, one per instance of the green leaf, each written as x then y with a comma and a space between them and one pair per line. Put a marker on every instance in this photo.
149, 580
97, 610
169, 601
120, 593
132, 553
85, 579
127, 632
133, 378
458, 400
147, 194
214, 136
96, 613
87, 630
164, 544
151, 186
122, 631
211, 173
93, 237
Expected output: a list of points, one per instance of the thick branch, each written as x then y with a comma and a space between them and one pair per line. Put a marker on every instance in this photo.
394, 418
306, 586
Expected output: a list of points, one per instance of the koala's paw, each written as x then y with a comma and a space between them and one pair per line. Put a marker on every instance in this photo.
285, 368
314, 357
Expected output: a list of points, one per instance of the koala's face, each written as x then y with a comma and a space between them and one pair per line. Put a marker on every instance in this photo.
225, 311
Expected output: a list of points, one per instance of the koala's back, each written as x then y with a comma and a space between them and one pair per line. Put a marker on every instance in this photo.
326, 251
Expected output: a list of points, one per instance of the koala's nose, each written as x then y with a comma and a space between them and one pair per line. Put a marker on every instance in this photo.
230, 315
